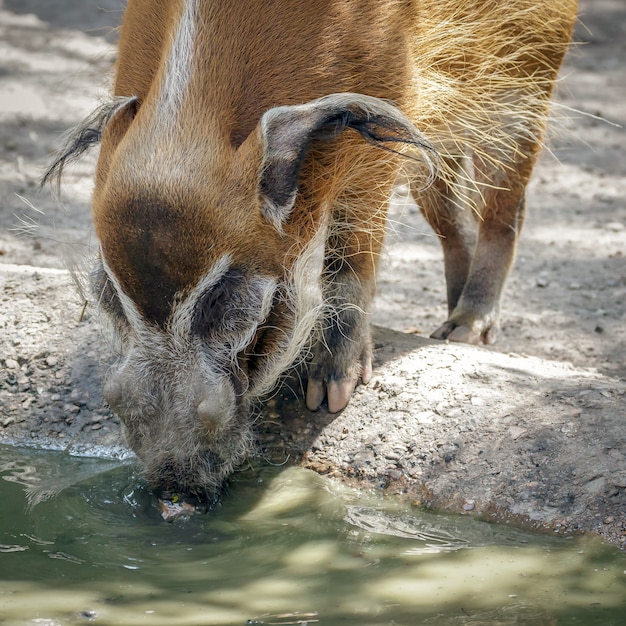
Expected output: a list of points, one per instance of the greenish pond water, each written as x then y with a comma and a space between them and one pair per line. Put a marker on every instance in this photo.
82, 542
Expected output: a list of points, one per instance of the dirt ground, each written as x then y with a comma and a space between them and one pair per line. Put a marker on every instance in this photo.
531, 430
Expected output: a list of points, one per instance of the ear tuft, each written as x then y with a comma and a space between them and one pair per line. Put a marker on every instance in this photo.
276, 187
288, 131
86, 135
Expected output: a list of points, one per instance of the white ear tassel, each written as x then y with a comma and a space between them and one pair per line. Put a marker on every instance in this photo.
287, 132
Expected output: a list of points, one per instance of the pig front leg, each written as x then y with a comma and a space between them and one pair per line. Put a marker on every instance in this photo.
352, 180
342, 354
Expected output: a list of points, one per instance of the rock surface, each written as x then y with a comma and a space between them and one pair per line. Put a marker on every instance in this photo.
513, 438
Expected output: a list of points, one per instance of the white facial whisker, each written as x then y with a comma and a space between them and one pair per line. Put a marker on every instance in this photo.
134, 317
184, 309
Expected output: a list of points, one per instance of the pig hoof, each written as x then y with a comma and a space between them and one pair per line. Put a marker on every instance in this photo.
315, 393
465, 334
339, 393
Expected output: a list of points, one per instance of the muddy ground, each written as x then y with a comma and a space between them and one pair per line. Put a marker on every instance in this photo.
531, 430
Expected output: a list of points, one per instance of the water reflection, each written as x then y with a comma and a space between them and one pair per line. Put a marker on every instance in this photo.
283, 547
376, 522
45, 477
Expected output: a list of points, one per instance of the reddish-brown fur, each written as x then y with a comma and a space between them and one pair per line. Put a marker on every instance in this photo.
224, 166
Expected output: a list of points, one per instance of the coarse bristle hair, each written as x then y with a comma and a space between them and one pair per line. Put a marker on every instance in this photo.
483, 75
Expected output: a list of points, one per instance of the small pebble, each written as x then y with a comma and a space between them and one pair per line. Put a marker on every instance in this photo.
605, 198
51, 361
615, 227
469, 505
11, 364
87, 614
171, 509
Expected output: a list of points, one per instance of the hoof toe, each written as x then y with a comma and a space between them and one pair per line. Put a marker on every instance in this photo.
366, 369
463, 334
460, 333
315, 393
339, 393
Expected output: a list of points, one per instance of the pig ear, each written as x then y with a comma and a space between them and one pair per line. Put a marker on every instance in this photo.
289, 130
88, 134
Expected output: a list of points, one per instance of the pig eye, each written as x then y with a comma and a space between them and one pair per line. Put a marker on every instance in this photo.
224, 307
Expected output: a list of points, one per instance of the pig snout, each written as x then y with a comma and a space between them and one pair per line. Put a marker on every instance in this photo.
189, 429
211, 409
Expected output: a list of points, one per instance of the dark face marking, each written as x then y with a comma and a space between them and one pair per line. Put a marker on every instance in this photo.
157, 252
